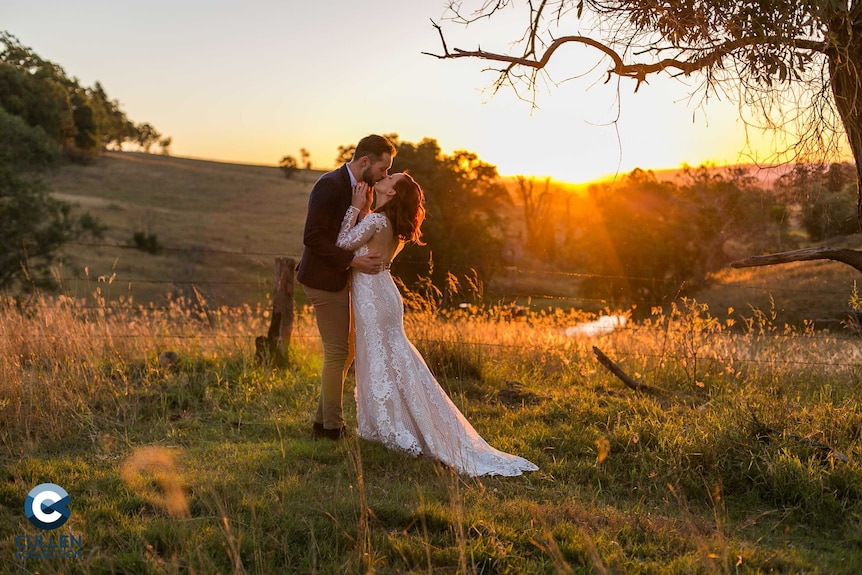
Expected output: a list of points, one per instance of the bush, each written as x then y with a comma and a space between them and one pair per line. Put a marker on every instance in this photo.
832, 214
24, 147
147, 242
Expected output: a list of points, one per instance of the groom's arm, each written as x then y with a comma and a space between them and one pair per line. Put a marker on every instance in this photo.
322, 223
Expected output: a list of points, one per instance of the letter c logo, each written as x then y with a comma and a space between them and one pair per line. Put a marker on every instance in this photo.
47, 506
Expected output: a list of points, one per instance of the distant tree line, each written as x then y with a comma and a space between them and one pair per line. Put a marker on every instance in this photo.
643, 241
78, 119
637, 240
46, 116
464, 230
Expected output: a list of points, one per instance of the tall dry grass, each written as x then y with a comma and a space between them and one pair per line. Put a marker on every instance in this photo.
69, 366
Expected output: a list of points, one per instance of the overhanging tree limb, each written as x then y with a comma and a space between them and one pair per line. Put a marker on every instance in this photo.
639, 71
796, 64
850, 257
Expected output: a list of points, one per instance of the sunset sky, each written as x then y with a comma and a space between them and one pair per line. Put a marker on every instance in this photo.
255, 80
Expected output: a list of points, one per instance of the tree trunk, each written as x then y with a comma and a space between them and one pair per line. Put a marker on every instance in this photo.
844, 66
845, 62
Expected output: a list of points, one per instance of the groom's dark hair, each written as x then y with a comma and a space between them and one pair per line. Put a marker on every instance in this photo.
374, 146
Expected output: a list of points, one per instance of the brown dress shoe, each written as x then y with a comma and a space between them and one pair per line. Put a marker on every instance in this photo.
318, 432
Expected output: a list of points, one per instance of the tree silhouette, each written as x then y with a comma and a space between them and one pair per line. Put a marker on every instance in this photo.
538, 204
345, 154
288, 165
790, 65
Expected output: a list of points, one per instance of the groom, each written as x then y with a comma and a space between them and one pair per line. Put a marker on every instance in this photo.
324, 270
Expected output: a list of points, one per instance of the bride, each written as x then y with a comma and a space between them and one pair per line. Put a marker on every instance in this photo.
398, 401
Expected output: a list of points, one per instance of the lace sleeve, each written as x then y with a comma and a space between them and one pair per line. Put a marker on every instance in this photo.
352, 236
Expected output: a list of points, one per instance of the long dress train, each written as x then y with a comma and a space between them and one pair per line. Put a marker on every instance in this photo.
399, 403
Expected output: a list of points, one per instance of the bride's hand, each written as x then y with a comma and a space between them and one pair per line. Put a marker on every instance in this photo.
361, 196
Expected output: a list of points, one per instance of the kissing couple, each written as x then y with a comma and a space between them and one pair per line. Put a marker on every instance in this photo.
348, 247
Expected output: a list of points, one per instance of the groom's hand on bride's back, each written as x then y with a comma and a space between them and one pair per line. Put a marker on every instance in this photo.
367, 264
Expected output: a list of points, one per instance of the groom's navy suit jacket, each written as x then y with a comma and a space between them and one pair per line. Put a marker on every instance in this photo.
324, 265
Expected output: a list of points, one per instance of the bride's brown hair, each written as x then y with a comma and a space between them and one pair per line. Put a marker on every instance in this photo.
406, 210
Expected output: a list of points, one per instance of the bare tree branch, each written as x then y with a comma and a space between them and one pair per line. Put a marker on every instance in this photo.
446, 53
485, 12
621, 375
850, 257
765, 430
636, 71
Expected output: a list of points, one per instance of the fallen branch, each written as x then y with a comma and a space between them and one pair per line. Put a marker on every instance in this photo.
766, 430
621, 375
852, 258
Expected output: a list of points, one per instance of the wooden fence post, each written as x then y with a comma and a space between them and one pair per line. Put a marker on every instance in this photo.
274, 345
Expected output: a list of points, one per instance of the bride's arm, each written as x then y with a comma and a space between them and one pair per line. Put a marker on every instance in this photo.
347, 223
352, 236
359, 208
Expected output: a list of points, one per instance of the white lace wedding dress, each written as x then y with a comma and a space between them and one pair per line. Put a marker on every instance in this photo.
398, 401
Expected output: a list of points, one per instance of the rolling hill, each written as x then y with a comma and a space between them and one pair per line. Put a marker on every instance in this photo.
220, 226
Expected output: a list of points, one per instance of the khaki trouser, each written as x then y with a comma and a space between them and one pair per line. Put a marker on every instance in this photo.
332, 311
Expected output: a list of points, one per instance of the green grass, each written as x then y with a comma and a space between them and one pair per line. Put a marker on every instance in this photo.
206, 466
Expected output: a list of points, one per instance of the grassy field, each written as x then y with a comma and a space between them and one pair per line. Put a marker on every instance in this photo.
743, 461
182, 454
221, 226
